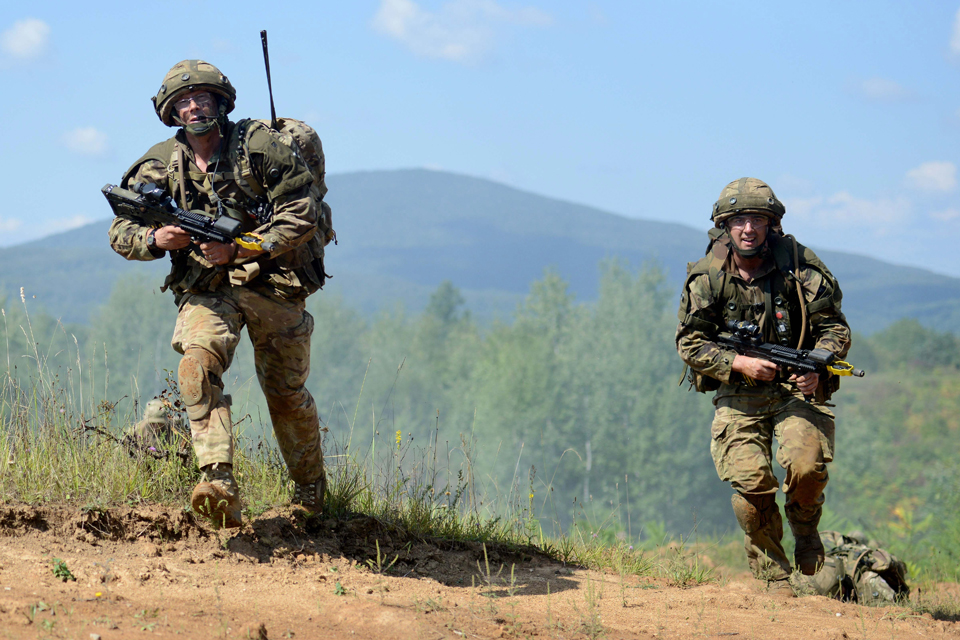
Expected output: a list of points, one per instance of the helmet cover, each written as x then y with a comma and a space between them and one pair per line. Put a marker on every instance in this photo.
747, 195
192, 75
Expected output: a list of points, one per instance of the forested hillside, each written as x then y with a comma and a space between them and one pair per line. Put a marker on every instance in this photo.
567, 408
402, 233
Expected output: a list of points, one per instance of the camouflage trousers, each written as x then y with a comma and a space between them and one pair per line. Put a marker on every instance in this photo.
207, 333
745, 424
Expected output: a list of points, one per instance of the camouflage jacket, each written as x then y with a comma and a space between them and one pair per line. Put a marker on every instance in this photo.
294, 269
715, 293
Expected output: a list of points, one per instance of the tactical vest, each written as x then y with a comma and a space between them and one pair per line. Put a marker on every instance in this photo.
777, 311
294, 273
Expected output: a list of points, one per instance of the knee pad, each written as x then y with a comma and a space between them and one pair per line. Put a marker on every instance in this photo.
753, 513
200, 385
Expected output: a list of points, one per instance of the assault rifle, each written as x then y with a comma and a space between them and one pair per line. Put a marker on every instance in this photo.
745, 338
151, 203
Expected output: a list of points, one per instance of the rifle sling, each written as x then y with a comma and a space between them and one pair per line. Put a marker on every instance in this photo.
802, 300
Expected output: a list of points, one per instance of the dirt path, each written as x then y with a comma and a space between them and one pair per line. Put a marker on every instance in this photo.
155, 572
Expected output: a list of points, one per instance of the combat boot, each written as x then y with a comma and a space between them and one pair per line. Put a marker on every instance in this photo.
217, 496
311, 495
809, 553
782, 588
759, 517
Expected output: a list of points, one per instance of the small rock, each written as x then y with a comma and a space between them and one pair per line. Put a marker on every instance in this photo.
94, 636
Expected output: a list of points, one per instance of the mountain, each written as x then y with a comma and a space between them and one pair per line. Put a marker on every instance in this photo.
403, 232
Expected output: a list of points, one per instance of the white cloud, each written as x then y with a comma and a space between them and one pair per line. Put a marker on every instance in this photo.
461, 30
9, 224
73, 222
26, 39
597, 15
933, 176
955, 38
883, 90
86, 141
843, 210
60, 225
946, 215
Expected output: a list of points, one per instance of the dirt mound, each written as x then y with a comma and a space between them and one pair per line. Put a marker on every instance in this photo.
145, 570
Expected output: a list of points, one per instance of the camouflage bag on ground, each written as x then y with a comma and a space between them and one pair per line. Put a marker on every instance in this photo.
873, 575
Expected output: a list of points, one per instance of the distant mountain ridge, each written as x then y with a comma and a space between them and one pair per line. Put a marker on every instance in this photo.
403, 232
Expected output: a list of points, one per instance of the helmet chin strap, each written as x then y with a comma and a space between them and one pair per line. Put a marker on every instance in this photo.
206, 125
748, 253
201, 129
744, 253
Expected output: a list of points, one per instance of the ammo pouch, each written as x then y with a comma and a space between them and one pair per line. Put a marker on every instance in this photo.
306, 264
827, 387
701, 382
244, 273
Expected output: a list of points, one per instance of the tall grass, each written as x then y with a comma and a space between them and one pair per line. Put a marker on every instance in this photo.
60, 442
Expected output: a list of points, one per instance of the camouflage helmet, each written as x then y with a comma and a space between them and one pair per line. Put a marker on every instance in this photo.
192, 75
155, 411
747, 194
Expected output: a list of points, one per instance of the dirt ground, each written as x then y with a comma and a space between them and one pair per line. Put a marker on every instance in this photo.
143, 572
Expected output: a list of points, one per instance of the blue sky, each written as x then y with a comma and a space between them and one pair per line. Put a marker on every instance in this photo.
851, 111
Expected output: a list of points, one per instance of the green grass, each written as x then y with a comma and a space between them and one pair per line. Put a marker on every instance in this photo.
60, 444
52, 454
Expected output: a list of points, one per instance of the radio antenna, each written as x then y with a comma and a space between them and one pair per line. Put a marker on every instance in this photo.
266, 63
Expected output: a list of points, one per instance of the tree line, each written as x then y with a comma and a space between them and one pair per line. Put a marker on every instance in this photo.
572, 410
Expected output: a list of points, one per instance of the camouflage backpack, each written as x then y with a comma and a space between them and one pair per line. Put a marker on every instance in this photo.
304, 141
872, 575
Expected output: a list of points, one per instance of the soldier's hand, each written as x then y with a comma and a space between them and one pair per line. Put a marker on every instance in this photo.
219, 253
807, 383
246, 253
755, 368
171, 237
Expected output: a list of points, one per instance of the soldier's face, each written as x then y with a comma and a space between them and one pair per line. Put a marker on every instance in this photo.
196, 106
748, 231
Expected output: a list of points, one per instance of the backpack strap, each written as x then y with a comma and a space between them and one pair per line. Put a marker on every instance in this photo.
163, 152
710, 265
244, 171
790, 269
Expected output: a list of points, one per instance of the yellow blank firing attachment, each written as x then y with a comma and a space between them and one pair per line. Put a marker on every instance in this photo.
251, 241
841, 368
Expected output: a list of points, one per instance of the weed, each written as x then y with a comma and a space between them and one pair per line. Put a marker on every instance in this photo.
549, 608
339, 590
376, 564
590, 623
146, 619
61, 571
429, 605
683, 568
487, 577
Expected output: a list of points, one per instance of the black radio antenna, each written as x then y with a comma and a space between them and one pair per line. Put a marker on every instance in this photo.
266, 63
